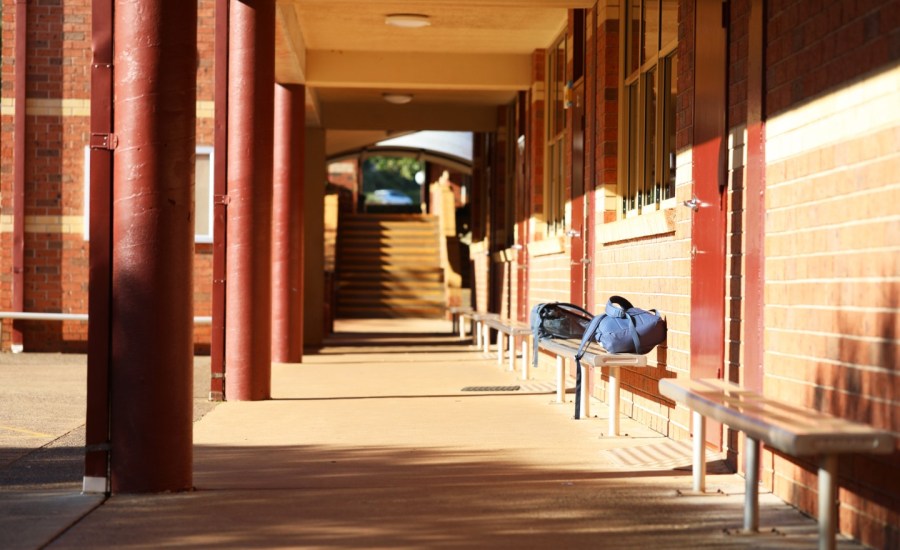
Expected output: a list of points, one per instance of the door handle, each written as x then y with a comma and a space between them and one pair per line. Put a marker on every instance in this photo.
573, 233
694, 203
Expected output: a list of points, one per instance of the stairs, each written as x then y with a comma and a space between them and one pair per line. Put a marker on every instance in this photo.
388, 266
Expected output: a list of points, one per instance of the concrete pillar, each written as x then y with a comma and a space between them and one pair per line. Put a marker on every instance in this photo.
314, 243
248, 297
287, 225
151, 338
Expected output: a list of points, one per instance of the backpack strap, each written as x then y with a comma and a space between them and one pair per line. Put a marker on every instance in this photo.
535, 332
633, 332
577, 387
589, 334
585, 340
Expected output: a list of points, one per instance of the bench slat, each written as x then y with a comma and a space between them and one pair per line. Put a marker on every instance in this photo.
594, 356
509, 326
794, 430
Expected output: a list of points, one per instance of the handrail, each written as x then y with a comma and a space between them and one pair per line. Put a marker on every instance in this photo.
38, 316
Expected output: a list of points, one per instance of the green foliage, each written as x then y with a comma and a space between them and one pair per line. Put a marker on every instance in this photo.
392, 173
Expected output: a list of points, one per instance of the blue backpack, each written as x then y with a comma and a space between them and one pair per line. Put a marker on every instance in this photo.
557, 320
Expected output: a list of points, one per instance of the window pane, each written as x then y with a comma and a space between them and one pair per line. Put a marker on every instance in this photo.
202, 204
632, 37
649, 180
632, 174
650, 30
672, 87
560, 85
669, 22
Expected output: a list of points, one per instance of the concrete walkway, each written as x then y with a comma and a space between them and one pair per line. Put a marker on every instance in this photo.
371, 443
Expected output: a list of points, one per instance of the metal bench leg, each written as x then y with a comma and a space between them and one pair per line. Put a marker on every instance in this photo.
454, 320
477, 330
613, 400
827, 496
486, 337
560, 380
699, 469
499, 349
585, 392
462, 328
525, 359
512, 352
751, 478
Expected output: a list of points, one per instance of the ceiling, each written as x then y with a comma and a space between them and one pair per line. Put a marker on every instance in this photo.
475, 56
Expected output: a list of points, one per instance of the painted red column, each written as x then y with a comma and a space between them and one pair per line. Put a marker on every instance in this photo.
287, 225
755, 277
155, 64
248, 298
97, 445
220, 206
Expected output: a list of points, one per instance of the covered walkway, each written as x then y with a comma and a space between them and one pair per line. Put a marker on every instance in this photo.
371, 443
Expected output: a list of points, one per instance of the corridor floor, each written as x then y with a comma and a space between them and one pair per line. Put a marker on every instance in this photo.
371, 443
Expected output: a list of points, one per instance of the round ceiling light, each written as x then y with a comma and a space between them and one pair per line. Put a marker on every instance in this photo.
397, 99
407, 20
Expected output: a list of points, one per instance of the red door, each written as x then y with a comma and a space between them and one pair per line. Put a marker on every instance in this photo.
577, 233
709, 202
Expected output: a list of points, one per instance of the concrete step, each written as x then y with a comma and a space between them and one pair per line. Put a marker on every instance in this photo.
381, 312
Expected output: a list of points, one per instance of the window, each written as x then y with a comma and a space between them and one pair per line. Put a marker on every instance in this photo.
555, 187
203, 194
647, 177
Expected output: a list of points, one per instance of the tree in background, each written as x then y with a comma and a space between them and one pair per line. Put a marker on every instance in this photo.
392, 173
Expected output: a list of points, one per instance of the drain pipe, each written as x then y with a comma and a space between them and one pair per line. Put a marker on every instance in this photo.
21, 95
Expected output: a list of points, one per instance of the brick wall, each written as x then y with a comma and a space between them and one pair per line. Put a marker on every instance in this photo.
833, 282
58, 125
832, 227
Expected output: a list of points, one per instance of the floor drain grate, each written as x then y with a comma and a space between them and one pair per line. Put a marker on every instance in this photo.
491, 388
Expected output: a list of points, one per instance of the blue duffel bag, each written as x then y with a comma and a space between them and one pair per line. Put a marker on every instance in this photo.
623, 328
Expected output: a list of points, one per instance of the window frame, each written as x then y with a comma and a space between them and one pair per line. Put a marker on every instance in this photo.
200, 238
646, 150
555, 135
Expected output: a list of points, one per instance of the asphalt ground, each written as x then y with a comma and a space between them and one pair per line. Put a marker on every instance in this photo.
371, 443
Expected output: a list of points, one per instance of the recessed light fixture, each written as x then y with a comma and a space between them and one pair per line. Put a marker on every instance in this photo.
407, 20
397, 99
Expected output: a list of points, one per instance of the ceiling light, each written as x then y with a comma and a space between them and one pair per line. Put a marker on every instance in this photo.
397, 99
407, 20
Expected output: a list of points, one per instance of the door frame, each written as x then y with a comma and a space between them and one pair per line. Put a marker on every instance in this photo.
709, 210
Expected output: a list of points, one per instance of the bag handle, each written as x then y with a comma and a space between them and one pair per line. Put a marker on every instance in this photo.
616, 307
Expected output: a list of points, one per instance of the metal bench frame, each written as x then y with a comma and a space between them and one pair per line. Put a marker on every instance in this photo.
456, 314
792, 430
480, 329
594, 356
512, 329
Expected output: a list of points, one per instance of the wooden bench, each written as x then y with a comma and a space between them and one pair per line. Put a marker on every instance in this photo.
512, 329
594, 357
788, 428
